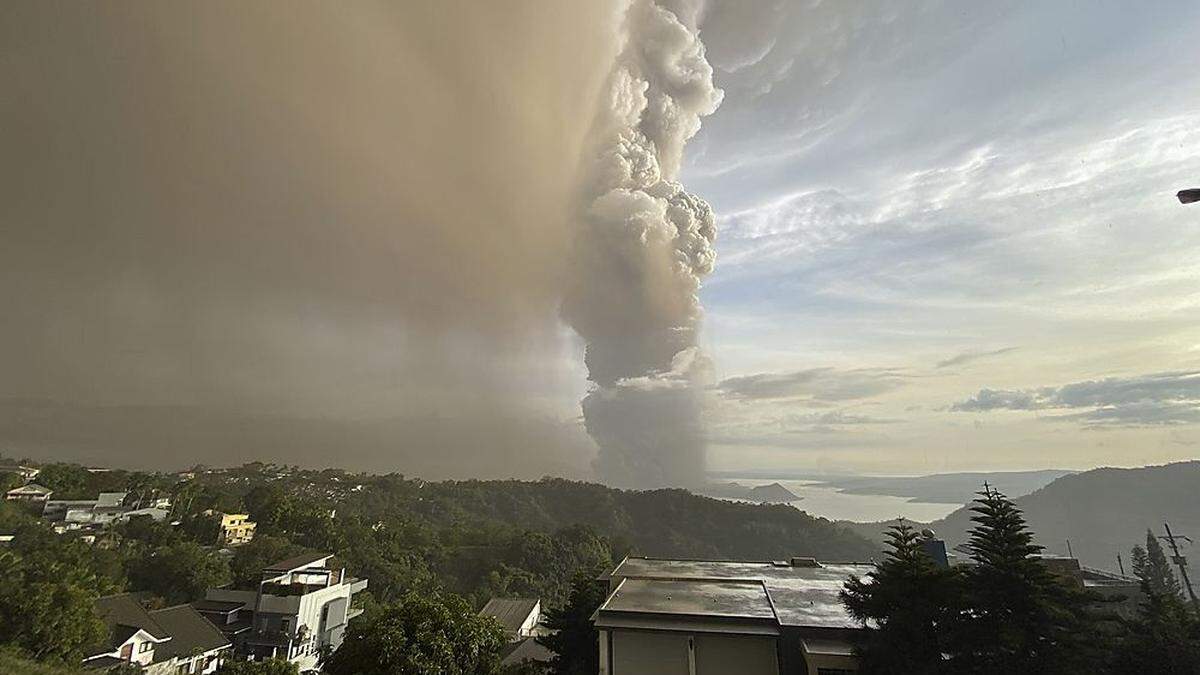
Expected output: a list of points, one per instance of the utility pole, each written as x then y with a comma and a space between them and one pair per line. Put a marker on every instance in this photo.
1181, 562
1120, 565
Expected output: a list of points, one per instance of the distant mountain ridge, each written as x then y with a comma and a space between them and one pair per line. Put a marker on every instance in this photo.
1104, 511
948, 488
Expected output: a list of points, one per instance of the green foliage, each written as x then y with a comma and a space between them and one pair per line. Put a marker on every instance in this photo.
147, 531
179, 572
1165, 637
536, 564
1021, 617
249, 559
1005, 613
14, 663
417, 634
1152, 568
9, 480
265, 667
47, 597
72, 481
906, 608
574, 638
201, 528
69, 481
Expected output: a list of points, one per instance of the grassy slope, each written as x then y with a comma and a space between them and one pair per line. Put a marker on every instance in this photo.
14, 665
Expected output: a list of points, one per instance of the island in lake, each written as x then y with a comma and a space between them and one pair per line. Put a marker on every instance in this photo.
773, 493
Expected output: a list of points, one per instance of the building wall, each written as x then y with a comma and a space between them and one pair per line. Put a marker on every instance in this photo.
670, 653
307, 611
721, 654
649, 653
529, 626
236, 528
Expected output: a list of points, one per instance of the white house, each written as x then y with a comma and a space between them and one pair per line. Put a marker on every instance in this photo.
25, 472
522, 621
31, 492
170, 641
519, 616
301, 606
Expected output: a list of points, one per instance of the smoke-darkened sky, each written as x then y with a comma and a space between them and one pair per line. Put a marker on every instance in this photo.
305, 233
342, 235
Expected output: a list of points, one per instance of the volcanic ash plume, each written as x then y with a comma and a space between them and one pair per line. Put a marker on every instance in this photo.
645, 244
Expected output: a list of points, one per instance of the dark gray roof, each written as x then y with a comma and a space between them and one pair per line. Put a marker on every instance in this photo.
526, 650
510, 612
222, 606
800, 595
122, 612
297, 562
734, 598
190, 632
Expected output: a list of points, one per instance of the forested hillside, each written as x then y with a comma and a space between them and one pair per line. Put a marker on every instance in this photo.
476, 538
1104, 511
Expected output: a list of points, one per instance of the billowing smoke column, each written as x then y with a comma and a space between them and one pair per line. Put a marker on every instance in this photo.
644, 246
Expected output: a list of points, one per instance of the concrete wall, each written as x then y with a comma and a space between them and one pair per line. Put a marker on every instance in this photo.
669, 653
720, 654
649, 653
818, 661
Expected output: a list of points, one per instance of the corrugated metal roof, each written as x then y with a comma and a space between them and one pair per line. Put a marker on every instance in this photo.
510, 612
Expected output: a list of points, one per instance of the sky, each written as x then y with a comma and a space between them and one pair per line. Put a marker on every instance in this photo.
948, 234
947, 237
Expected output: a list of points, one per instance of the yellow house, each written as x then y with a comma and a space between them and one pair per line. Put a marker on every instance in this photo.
236, 528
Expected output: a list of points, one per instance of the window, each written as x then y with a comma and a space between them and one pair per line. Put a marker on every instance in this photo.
146, 646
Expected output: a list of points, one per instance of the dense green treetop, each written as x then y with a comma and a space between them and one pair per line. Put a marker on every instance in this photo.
906, 606
420, 633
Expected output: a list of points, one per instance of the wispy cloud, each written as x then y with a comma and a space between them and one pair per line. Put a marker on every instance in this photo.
968, 357
818, 385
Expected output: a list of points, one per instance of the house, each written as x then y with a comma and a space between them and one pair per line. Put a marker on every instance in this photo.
170, 641
694, 617
26, 473
522, 622
300, 607
58, 509
236, 529
1116, 593
31, 492
519, 616
84, 514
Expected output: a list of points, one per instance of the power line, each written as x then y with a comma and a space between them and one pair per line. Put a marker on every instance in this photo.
1180, 561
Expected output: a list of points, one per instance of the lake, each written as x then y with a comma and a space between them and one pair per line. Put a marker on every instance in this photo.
826, 501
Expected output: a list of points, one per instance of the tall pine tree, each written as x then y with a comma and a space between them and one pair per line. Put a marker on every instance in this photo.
1154, 571
1021, 617
1165, 638
904, 607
